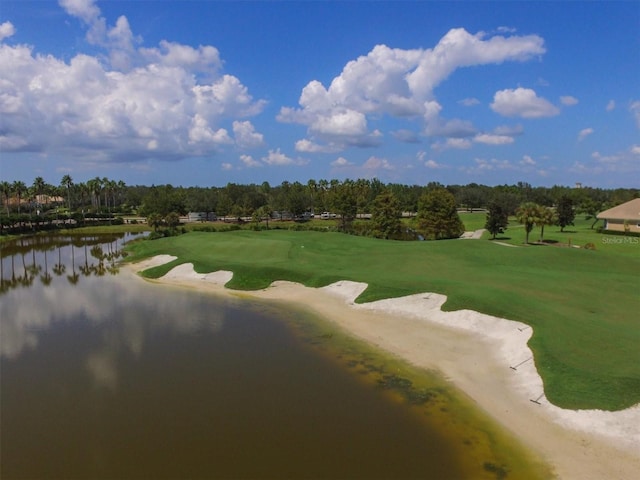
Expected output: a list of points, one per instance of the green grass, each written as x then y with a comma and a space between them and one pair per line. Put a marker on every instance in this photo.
473, 221
582, 304
576, 235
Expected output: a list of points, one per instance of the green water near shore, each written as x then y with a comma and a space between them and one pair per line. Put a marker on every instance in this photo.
482, 448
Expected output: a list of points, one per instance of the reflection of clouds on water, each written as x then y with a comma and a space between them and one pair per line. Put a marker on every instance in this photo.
103, 369
125, 309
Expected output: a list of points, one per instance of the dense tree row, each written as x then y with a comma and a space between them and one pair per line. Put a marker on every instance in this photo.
69, 200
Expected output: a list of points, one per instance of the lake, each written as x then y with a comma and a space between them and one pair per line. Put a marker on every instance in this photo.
106, 376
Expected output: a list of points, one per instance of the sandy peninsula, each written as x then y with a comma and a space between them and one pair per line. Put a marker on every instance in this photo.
486, 357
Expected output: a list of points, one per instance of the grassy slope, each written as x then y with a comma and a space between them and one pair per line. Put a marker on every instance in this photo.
582, 304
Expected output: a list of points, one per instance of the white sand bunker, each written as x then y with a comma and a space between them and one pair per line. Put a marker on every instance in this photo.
509, 339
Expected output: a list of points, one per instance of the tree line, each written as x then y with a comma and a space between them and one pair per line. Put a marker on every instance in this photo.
103, 198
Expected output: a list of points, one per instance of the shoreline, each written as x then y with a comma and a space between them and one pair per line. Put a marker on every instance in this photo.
485, 357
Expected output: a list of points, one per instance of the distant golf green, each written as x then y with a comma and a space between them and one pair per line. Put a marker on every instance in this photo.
583, 305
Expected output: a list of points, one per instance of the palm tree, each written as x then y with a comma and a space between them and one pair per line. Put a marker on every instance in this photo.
5, 190
527, 215
546, 216
19, 188
67, 182
154, 221
95, 188
107, 189
38, 188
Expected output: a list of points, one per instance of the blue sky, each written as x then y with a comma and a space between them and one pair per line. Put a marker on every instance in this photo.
205, 92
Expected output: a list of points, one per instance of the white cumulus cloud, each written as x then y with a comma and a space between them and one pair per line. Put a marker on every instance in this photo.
611, 105
248, 161
522, 102
527, 160
246, 135
469, 102
568, 100
584, 133
131, 103
6, 30
399, 83
492, 139
277, 158
341, 162
432, 164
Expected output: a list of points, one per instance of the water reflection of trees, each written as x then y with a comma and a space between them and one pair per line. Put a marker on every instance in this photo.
101, 256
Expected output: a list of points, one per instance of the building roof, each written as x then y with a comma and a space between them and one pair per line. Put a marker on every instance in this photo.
625, 211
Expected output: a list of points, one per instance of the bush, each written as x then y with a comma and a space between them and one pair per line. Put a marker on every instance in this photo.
205, 228
589, 246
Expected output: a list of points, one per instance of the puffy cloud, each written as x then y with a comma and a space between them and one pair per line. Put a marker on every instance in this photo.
86, 10
277, 158
625, 161
376, 163
522, 102
611, 105
248, 161
469, 102
341, 162
201, 133
527, 160
491, 139
246, 135
584, 133
568, 100
399, 83
456, 143
484, 165
432, 164
130, 105
6, 30
308, 146
458, 48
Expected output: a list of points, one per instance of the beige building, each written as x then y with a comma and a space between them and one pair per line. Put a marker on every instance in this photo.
624, 217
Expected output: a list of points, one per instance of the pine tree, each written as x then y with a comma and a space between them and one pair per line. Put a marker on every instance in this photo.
497, 219
565, 211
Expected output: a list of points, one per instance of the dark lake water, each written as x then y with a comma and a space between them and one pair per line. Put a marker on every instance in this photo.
106, 376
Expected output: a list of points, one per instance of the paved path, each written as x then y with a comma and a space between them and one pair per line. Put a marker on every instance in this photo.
472, 235
504, 244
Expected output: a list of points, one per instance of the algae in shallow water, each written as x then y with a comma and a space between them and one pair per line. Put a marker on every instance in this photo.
484, 448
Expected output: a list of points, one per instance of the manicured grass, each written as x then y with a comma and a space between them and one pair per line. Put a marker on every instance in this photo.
582, 304
473, 221
579, 235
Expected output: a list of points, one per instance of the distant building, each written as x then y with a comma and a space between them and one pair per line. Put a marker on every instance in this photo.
624, 217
